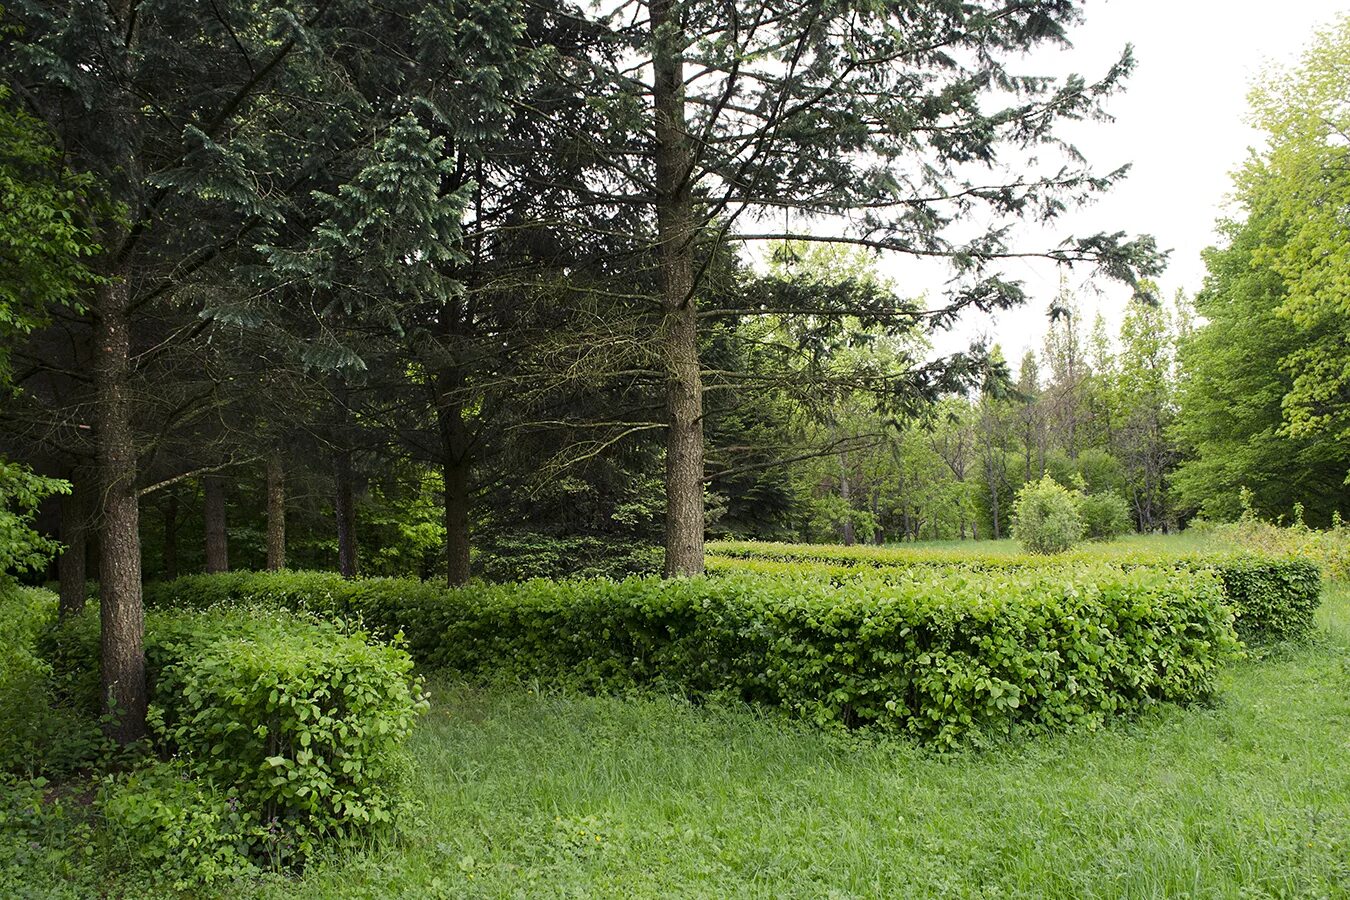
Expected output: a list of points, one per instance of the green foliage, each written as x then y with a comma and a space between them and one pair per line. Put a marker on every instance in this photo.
1329, 548
1045, 517
1273, 597
1273, 600
1263, 395
43, 244
23, 674
505, 556
21, 548
47, 842
176, 829
1101, 472
651, 797
300, 720
1304, 174
38, 734
1105, 515
941, 657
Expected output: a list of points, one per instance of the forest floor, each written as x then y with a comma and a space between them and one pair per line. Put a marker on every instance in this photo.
532, 793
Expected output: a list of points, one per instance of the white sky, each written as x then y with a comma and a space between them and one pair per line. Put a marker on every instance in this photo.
1181, 121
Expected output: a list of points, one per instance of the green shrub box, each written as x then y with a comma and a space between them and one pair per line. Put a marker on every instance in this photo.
942, 654
1273, 598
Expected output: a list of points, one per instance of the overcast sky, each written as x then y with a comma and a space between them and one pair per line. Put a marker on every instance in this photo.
1181, 122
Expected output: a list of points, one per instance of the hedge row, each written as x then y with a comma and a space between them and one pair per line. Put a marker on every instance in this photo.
299, 721
1272, 598
939, 658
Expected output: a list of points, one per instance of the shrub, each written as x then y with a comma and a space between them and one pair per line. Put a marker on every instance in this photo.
302, 722
37, 734
935, 655
1105, 515
1329, 548
45, 836
1274, 597
177, 829
23, 674
1045, 517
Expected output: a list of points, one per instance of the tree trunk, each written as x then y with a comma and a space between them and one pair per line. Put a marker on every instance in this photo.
1029, 438
276, 512
455, 466
679, 326
75, 524
93, 547
344, 510
846, 494
878, 535
121, 610
456, 473
344, 489
993, 506
171, 535
217, 549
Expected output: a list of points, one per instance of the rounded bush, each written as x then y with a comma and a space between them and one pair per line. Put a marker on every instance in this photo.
1105, 515
1045, 517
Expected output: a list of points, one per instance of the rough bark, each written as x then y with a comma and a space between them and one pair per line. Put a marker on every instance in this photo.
456, 522
171, 535
217, 544
121, 610
878, 535
93, 547
75, 524
993, 503
455, 465
846, 494
276, 512
679, 331
344, 510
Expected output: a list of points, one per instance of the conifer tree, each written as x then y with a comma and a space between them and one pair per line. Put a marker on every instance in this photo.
879, 125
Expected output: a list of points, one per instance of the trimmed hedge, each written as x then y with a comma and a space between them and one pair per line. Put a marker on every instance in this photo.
942, 657
301, 722
1273, 598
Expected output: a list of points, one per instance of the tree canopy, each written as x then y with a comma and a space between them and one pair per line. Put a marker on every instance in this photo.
1265, 393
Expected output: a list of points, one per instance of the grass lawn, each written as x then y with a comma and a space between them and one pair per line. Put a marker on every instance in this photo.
557, 795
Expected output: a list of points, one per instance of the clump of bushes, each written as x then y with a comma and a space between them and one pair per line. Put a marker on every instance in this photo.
38, 734
1329, 547
1273, 600
942, 658
299, 722
1046, 517
179, 829
1105, 515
